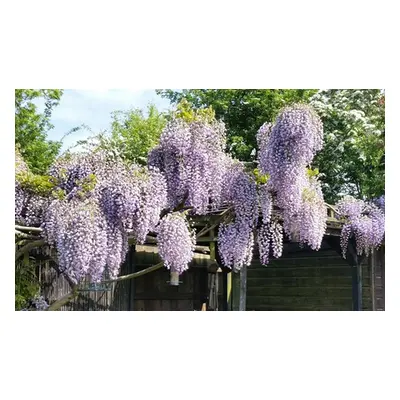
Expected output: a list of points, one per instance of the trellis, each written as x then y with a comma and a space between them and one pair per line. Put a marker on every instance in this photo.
206, 238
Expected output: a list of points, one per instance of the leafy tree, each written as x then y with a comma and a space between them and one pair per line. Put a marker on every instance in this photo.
242, 110
31, 127
26, 283
352, 160
133, 134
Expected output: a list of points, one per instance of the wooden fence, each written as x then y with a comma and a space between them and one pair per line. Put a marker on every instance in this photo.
300, 280
145, 293
305, 280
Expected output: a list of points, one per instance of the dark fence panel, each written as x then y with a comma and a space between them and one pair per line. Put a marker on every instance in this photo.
304, 280
148, 292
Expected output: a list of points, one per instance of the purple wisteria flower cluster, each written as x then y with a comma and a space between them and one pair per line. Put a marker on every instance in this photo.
380, 203
105, 202
176, 242
270, 241
309, 223
20, 164
270, 233
286, 149
38, 303
192, 158
363, 220
29, 206
77, 230
266, 202
32, 209
236, 239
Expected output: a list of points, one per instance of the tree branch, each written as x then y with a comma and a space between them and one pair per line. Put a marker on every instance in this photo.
135, 274
64, 300
25, 235
28, 228
210, 227
28, 247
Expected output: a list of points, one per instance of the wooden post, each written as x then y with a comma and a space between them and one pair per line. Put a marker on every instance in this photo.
215, 280
243, 289
372, 266
132, 268
235, 293
356, 281
357, 286
355, 262
229, 290
174, 278
216, 291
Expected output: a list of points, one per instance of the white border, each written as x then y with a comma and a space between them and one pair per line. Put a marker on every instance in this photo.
200, 45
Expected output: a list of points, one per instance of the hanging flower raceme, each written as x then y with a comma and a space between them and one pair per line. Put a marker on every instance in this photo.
20, 165
286, 150
236, 239
312, 215
104, 202
235, 245
77, 229
364, 221
29, 205
270, 241
176, 242
192, 158
380, 203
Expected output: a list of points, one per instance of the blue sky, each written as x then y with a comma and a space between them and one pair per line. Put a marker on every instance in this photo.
93, 108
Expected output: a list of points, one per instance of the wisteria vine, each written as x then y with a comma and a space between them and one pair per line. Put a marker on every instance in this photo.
90, 204
286, 151
365, 221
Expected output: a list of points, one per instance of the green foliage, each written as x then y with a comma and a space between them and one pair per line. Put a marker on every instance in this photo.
133, 134
312, 172
31, 127
42, 185
26, 283
261, 179
353, 158
185, 111
242, 110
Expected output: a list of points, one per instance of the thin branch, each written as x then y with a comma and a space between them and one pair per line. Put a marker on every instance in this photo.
330, 207
25, 235
31, 245
64, 300
28, 228
59, 272
209, 228
74, 292
135, 274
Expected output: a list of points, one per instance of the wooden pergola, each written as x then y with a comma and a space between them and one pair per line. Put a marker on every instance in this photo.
207, 237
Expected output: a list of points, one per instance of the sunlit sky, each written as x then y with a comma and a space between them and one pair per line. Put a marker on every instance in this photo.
93, 108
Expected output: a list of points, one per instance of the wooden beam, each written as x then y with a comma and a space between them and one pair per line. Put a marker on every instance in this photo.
235, 293
356, 275
357, 287
355, 262
371, 261
243, 288
229, 290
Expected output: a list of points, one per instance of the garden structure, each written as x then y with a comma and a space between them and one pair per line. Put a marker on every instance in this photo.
196, 229
301, 280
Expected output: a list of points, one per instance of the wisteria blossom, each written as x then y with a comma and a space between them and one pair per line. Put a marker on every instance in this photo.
365, 221
176, 242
